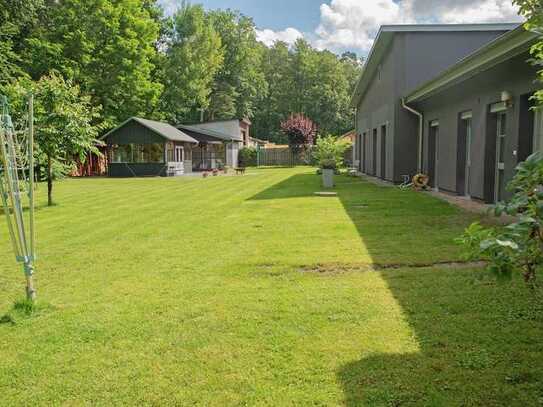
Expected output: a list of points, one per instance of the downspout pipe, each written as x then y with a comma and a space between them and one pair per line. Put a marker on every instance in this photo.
421, 128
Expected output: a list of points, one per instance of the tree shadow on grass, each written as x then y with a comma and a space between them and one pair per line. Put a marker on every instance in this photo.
478, 345
296, 186
478, 342
395, 227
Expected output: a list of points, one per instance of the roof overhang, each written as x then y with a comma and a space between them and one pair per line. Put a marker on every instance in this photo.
180, 137
211, 142
205, 135
386, 34
505, 47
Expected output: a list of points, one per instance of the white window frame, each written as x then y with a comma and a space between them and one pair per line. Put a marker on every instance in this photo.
500, 166
467, 117
177, 150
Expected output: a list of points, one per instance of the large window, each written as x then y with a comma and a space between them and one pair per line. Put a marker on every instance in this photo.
137, 153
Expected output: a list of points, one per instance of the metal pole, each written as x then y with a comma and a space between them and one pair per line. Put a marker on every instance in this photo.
4, 196
29, 264
10, 188
421, 133
31, 172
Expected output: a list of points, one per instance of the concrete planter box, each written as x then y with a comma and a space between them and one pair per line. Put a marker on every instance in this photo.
327, 178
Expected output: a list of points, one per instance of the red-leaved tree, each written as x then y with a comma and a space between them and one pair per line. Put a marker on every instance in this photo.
300, 131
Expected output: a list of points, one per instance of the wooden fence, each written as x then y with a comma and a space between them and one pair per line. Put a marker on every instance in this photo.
282, 157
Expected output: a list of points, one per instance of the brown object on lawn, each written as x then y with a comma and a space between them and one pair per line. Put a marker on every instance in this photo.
420, 181
240, 171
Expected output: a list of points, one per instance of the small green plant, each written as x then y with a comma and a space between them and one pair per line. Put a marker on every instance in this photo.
518, 246
329, 152
247, 157
21, 309
25, 307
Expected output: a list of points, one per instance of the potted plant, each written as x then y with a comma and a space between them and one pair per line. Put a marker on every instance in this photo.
329, 157
328, 168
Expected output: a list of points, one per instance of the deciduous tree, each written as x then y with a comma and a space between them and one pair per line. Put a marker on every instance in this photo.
64, 129
300, 131
17, 19
240, 81
193, 57
533, 11
105, 46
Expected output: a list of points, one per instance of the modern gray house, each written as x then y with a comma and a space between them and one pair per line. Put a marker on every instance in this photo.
403, 58
477, 119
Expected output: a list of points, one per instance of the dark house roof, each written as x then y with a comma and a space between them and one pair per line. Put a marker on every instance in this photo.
205, 135
164, 130
507, 46
386, 35
242, 120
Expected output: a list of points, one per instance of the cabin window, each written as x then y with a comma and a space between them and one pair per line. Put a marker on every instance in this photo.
138, 153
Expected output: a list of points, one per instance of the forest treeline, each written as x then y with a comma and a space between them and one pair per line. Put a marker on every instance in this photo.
133, 60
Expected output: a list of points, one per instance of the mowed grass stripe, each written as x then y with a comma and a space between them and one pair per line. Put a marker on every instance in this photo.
246, 291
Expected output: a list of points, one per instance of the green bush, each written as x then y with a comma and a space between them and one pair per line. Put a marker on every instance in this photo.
329, 152
247, 157
517, 247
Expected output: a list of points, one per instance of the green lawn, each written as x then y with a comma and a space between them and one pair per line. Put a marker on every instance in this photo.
251, 291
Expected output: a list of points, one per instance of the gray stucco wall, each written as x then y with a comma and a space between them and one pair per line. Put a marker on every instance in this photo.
412, 58
477, 94
429, 53
377, 109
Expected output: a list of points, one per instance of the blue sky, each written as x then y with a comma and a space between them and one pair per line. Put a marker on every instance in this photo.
340, 25
304, 15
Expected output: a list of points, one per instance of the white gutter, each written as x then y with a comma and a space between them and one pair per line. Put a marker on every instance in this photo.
421, 127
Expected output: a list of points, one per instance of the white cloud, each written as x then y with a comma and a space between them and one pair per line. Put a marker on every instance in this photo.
353, 24
269, 37
484, 11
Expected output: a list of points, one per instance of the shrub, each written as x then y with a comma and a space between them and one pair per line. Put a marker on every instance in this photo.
300, 131
247, 157
329, 152
517, 247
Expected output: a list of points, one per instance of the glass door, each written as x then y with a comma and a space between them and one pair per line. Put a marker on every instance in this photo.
499, 189
468, 128
179, 154
433, 154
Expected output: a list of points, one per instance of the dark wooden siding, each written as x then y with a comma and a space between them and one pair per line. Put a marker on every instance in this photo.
126, 170
134, 133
